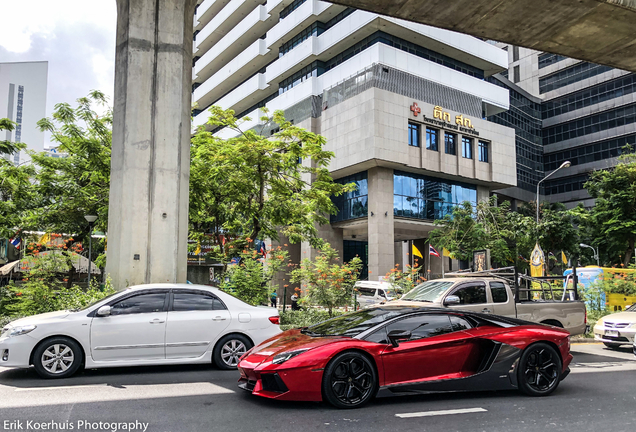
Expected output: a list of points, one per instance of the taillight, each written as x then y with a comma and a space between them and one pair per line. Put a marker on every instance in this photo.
275, 320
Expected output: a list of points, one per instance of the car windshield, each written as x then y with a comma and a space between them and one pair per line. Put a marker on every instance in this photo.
430, 292
351, 324
390, 293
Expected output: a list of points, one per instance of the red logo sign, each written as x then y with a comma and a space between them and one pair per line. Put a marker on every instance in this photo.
416, 110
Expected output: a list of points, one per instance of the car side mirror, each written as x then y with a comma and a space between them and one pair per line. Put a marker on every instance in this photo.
103, 311
398, 335
451, 300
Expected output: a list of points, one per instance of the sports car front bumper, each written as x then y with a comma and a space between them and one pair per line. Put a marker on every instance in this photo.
275, 382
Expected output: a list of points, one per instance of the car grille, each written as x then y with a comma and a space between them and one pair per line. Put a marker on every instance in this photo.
273, 383
249, 385
616, 325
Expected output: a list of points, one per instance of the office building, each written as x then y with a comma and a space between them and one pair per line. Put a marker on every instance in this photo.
586, 112
402, 107
23, 101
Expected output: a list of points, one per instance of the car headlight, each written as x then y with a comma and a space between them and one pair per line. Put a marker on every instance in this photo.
17, 331
633, 325
283, 357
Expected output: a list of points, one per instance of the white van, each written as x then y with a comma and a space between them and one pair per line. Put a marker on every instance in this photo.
370, 293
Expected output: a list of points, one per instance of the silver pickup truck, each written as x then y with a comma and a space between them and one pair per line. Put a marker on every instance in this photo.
494, 295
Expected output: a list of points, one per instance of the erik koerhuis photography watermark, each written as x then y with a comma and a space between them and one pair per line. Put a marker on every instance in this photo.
77, 425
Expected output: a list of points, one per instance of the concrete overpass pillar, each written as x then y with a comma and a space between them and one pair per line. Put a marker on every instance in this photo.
150, 166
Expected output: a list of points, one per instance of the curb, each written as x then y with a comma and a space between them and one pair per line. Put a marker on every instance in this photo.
583, 340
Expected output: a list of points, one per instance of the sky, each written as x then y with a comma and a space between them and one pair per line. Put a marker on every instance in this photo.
76, 37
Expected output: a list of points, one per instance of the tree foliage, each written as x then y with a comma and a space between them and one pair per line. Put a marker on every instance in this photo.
328, 283
253, 186
612, 221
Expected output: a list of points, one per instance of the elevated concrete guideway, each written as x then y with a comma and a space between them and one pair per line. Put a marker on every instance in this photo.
598, 31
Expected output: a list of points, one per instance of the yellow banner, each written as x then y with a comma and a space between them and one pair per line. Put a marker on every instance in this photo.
416, 252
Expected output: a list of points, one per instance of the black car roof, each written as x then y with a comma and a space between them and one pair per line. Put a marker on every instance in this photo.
495, 319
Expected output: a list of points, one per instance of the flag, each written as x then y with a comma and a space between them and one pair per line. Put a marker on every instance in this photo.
46, 238
197, 251
564, 259
432, 251
263, 250
15, 241
446, 253
416, 252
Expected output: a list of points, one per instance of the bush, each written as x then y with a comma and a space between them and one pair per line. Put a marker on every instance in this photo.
305, 318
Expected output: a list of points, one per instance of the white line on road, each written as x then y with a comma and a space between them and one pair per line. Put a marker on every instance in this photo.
437, 413
60, 387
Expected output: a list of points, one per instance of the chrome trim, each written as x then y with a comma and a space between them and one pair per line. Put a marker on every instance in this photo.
186, 344
116, 347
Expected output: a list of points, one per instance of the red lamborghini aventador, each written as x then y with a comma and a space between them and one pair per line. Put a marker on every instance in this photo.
348, 359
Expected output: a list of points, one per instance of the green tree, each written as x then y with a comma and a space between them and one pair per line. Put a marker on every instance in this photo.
328, 283
406, 279
16, 189
250, 279
614, 215
254, 186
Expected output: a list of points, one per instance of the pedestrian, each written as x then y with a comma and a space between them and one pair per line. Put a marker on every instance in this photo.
294, 303
274, 299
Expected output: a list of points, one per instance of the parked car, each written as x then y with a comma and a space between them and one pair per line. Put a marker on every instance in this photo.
617, 329
405, 350
494, 295
155, 324
371, 292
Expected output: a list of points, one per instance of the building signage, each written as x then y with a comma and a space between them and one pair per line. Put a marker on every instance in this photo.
462, 124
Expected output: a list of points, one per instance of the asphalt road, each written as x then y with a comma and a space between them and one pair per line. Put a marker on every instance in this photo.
599, 395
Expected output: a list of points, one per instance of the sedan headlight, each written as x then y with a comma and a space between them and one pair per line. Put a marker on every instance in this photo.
283, 357
633, 325
17, 331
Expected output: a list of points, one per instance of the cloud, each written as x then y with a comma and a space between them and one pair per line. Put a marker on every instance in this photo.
76, 37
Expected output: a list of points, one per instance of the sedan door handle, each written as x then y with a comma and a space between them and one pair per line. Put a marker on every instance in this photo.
157, 321
485, 310
219, 318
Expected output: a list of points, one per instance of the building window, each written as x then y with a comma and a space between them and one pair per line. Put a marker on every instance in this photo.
431, 139
515, 53
570, 75
483, 151
422, 197
353, 204
414, 134
515, 73
450, 141
467, 147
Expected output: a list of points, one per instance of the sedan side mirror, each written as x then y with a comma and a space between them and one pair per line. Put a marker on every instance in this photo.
398, 335
103, 311
451, 300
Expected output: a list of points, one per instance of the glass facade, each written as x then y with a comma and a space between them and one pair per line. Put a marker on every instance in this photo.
414, 134
450, 143
577, 72
623, 116
589, 96
467, 147
354, 204
589, 153
422, 197
565, 184
524, 116
546, 59
432, 138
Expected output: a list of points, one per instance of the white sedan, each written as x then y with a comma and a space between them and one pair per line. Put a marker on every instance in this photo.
157, 324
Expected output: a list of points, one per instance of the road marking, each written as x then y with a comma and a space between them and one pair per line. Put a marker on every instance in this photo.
443, 412
60, 387
602, 367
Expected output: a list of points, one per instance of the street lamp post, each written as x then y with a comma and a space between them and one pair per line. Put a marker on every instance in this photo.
594, 250
91, 220
563, 165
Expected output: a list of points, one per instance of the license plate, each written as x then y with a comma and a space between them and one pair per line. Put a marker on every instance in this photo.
611, 333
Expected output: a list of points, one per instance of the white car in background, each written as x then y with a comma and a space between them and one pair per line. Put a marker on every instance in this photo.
617, 329
370, 293
156, 324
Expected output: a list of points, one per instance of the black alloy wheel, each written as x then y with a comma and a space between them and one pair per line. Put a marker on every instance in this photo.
539, 370
350, 380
